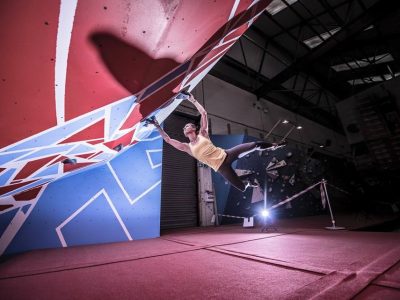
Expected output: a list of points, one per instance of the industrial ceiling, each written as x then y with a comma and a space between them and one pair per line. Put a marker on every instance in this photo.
307, 55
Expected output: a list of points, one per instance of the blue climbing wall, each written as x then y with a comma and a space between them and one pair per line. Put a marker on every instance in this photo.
118, 200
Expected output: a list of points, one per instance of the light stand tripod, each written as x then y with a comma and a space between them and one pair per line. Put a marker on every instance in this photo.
324, 193
265, 214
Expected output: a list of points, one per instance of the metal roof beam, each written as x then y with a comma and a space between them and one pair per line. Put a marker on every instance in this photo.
374, 13
367, 71
243, 77
307, 20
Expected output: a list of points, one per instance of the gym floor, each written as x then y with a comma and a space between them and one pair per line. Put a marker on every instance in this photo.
301, 260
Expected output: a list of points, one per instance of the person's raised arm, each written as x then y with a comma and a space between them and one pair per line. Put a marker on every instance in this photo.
203, 113
174, 143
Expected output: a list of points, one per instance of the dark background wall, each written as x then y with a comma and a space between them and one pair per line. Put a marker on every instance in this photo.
301, 168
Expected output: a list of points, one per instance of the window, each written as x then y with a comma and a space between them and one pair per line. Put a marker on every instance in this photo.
318, 39
360, 63
277, 5
372, 79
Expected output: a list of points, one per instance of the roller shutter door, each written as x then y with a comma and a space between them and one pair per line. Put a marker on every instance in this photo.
179, 205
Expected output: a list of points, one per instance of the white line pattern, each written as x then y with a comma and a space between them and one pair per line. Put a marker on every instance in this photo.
78, 211
131, 201
65, 24
153, 166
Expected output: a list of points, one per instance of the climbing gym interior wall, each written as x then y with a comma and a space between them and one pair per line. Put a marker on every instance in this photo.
281, 174
78, 78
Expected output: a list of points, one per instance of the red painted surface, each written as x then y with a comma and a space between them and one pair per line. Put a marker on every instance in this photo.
87, 155
11, 187
95, 142
96, 131
28, 31
34, 165
60, 158
4, 207
125, 140
147, 48
71, 167
28, 195
134, 45
299, 261
218, 54
150, 104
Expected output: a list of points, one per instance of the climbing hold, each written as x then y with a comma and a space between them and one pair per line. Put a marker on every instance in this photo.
118, 147
149, 120
69, 161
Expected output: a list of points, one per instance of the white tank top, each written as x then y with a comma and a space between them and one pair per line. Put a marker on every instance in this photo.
206, 152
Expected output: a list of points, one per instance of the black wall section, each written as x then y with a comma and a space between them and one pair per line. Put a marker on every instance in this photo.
179, 206
288, 171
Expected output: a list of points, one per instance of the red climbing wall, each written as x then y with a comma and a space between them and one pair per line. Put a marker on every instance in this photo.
82, 74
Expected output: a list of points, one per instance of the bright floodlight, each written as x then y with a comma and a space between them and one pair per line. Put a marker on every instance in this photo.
285, 121
265, 213
299, 127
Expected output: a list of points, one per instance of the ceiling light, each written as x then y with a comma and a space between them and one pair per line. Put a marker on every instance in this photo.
369, 27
